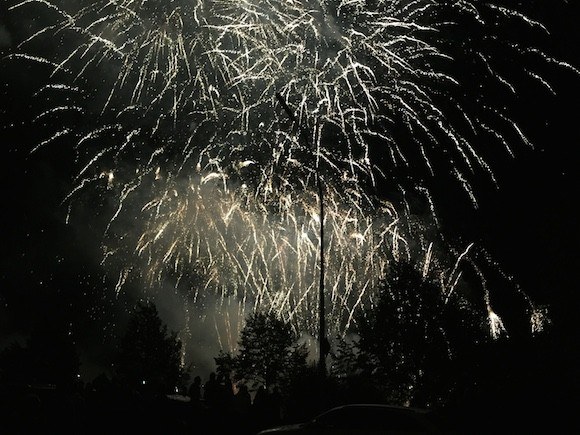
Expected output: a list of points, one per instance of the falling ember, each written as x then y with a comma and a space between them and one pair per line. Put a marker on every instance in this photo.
539, 320
110, 178
495, 325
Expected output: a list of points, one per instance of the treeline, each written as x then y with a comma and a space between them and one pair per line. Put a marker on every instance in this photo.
415, 347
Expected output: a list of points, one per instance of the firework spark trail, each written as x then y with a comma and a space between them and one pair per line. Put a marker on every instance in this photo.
228, 182
273, 255
356, 68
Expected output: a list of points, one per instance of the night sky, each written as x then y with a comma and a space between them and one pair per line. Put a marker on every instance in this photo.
51, 269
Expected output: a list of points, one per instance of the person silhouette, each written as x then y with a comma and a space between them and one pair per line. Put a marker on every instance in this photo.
227, 392
275, 402
259, 408
242, 401
210, 391
194, 391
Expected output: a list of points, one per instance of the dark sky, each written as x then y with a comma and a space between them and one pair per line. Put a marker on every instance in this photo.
530, 225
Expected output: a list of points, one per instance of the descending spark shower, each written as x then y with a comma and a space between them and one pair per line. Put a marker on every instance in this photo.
214, 182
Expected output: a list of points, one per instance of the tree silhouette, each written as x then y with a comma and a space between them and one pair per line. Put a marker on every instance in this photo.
224, 364
269, 353
408, 339
150, 357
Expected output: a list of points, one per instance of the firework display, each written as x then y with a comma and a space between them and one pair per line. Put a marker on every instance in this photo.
207, 122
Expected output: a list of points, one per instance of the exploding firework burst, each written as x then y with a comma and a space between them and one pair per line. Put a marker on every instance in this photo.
191, 134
